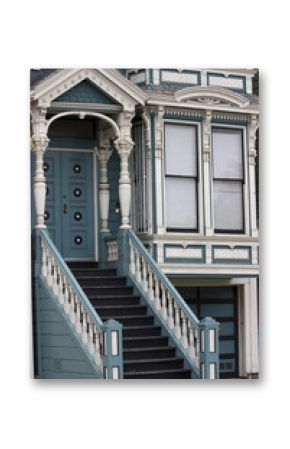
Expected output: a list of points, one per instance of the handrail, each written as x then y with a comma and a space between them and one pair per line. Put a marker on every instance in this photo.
163, 277
93, 333
197, 340
99, 323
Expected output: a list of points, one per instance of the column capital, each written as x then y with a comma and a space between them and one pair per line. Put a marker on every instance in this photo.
206, 135
40, 144
104, 152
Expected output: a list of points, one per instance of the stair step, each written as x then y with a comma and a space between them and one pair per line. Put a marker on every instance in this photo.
117, 310
159, 374
135, 320
82, 264
80, 271
96, 281
144, 342
115, 300
141, 331
153, 364
108, 290
151, 353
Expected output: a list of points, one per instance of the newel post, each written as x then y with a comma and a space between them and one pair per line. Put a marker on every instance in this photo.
40, 142
124, 145
209, 348
113, 350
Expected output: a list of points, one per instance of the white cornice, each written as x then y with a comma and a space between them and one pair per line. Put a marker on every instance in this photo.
108, 80
215, 93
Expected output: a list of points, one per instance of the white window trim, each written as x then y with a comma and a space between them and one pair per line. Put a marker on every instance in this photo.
246, 192
200, 209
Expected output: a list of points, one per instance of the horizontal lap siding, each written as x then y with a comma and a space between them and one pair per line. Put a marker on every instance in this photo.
61, 356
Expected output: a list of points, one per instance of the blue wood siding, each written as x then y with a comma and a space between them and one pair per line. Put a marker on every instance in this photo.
60, 355
85, 92
113, 175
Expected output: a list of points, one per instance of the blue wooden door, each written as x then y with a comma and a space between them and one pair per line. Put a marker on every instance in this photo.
219, 303
69, 202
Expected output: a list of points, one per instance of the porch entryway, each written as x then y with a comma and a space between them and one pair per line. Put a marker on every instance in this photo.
69, 210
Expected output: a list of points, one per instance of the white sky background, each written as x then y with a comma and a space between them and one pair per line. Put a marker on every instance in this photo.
240, 414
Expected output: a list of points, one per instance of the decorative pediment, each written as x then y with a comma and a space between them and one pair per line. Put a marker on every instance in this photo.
211, 96
109, 84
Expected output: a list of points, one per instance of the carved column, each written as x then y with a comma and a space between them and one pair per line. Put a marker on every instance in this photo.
104, 153
40, 143
148, 149
252, 129
124, 145
159, 170
206, 152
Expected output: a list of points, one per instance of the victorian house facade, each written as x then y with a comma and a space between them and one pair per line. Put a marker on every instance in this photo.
144, 217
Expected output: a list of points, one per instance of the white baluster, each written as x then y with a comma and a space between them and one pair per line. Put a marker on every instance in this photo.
84, 326
197, 347
97, 347
177, 329
150, 286
157, 293
144, 275
138, 270
72, 313
132, 267
60, 287
191, 347
170, 320
91, 347
55, 286
43, 260
78, 317
49, 269
184, 338
163, 303
66, 297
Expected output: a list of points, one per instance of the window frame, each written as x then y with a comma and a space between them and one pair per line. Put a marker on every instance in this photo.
198, 178
244, 181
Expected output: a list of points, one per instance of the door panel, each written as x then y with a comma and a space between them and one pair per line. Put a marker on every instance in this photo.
69, 211
219, 303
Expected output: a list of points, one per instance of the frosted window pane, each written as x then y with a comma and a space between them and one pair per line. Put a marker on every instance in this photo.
180, 150
228, 205
181, 211
227, 153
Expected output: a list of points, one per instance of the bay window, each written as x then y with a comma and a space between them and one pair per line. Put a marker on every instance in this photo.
181, 177
228, 180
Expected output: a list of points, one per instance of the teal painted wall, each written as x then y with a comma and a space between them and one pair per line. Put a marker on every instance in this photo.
113, 174
85, 92
60, 355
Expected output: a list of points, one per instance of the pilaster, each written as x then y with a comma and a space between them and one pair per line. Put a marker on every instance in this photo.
124, 145
206, 158
252, 129
148, 150
39, 144
159, 170
104, 153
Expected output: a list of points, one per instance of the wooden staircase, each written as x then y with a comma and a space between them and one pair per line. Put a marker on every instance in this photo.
146, 352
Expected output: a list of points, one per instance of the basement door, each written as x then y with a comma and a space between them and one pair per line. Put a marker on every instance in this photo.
69, 211
219, 303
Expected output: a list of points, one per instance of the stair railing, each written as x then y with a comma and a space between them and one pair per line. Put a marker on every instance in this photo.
197, 340
102, 340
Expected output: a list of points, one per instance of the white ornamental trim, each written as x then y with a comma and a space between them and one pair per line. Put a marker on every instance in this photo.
186, 78
234, 83
186, 253
139, 78
224, 253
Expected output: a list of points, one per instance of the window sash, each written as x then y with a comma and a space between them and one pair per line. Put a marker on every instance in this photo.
181, 203
181, 177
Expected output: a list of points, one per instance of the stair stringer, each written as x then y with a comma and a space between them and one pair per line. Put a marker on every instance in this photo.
60, 351
165, 330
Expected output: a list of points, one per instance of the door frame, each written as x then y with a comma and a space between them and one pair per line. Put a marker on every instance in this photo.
95, 194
